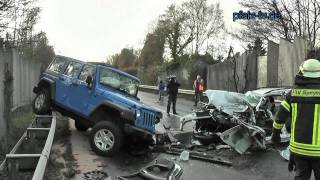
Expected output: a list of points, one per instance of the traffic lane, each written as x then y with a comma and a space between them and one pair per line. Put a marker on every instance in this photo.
183, 108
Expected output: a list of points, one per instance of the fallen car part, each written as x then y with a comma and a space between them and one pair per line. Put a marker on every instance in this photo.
199, 156
243, 136
184, 156
162, 169
207, 138
285, 153
96, 175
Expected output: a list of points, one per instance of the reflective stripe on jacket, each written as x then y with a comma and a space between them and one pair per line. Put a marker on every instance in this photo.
302, 104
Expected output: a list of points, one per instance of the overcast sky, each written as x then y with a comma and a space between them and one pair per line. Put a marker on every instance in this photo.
91, 30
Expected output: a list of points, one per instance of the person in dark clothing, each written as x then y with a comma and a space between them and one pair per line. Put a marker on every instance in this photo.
172, 89
302, 105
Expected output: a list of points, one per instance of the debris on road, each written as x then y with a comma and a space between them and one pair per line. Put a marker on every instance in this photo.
285, 153
244, 136
184, 156
96, 175
202, 156
162, 169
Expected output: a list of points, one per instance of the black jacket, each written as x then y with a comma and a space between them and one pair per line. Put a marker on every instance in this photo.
173, 87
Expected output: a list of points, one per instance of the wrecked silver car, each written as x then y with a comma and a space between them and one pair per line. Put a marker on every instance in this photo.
239, 120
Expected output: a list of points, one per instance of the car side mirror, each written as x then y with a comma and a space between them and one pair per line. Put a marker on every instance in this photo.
89, 80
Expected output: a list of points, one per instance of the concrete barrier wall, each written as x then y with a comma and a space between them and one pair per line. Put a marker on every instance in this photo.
291, 55
25, 75
272, 64
262, 71
277, 69
221, 76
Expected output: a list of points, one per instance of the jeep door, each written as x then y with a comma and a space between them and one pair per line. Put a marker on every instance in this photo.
82, 96
65, 82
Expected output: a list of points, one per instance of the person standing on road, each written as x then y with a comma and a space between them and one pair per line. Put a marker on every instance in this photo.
198, 87
161, 87
172, 89
303, 105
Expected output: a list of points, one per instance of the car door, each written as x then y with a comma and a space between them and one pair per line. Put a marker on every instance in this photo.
66, 80
54, 72
82, 95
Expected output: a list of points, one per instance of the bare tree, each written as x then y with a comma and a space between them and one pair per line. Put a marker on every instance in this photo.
205, 20
173, 25
298, 18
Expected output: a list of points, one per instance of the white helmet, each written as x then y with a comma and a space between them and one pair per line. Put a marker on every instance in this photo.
310, 68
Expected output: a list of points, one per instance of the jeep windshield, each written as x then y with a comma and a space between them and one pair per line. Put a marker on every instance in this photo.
118, 81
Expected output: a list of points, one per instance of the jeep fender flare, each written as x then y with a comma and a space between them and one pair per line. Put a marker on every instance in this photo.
125, 113
46, 82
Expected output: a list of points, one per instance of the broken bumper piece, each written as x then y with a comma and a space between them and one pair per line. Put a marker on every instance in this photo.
162, 169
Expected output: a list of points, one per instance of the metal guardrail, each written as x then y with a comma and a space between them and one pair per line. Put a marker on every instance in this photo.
155, 88
17, 161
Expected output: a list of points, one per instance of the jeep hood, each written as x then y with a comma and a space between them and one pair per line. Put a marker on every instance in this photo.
135, 103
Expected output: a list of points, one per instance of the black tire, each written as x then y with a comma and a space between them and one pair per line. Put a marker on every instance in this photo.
80, 126
117, 135
42, 106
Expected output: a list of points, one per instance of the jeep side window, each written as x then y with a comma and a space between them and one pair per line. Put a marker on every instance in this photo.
86, 71
57, 65
73, 69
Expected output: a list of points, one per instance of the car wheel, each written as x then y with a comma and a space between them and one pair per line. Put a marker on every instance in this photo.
41, 103
80, 126
106, 138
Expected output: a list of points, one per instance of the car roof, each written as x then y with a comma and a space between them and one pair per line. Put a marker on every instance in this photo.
102, 65
264, 91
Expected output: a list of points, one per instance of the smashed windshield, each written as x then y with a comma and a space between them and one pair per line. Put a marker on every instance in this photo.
229, 101
252, 98
118, 81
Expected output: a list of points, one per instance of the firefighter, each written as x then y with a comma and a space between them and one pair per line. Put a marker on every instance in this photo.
302, 105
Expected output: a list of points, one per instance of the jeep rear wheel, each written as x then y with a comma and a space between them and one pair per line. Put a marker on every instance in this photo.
106, 138
80, 126
41, 103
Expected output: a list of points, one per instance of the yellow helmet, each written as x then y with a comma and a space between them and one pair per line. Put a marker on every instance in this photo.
310, 68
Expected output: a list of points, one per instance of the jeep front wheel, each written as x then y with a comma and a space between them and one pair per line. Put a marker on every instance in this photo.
41, 103
105, 138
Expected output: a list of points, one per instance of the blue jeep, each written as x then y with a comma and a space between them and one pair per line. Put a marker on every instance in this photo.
98, 96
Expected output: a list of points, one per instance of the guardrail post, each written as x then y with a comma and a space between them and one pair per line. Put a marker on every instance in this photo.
13, 169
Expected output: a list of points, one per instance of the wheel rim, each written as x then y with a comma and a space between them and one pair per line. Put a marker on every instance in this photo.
104, 139
40, 101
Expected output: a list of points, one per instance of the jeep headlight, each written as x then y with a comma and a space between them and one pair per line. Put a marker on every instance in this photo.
138, 114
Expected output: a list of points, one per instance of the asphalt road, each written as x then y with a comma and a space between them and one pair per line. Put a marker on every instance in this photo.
254, 165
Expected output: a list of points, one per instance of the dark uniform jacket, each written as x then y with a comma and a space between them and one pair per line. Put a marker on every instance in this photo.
302, 105
172, 88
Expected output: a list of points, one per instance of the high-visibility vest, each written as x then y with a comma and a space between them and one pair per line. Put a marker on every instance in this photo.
302, 104
201, 88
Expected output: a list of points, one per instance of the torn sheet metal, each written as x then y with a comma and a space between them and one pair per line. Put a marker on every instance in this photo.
162, 169
244, 136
